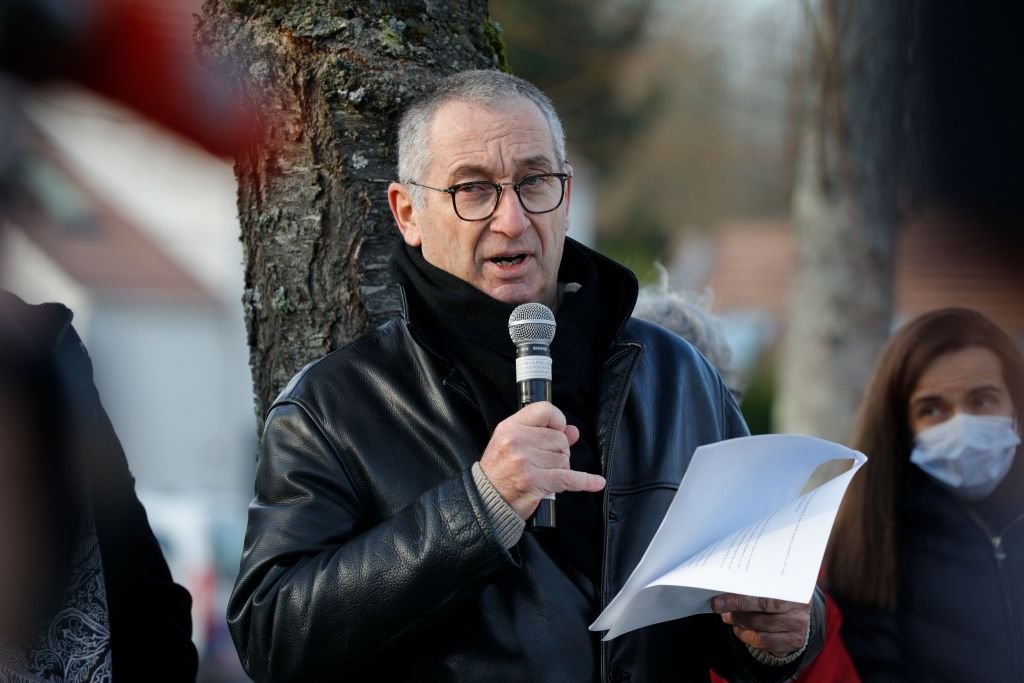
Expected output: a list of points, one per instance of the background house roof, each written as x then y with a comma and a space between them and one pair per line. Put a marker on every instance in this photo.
942, 260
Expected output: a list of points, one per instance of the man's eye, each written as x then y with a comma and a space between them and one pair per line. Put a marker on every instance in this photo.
474, 188
533, 180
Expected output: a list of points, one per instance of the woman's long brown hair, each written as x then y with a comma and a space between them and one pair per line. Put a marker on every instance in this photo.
863, 560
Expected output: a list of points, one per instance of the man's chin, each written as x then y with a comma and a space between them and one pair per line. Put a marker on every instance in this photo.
515, 294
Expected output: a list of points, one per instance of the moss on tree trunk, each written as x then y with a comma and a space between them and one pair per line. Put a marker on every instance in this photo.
328, 81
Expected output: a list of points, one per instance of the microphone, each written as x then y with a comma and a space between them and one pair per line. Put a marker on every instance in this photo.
532, 328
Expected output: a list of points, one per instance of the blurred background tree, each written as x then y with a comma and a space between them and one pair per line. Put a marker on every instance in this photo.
830, 167
899, 131
845, 207
681, 127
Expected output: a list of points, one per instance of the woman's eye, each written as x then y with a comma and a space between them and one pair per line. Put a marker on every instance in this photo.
985, 402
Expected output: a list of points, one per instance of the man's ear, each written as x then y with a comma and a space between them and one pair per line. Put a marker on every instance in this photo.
405, 214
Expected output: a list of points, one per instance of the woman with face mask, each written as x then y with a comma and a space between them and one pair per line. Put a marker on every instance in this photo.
926, 559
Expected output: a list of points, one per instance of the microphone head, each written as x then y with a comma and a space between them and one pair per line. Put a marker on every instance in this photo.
531, 323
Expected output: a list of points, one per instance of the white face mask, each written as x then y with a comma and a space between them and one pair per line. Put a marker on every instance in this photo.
969, 455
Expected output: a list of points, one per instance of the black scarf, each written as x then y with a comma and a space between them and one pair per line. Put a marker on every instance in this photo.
470, 330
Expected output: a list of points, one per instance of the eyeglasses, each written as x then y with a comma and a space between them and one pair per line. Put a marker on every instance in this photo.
478, 200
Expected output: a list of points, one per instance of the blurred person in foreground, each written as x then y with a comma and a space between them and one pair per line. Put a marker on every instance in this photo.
386, 539
689, 315
85, 594
927, 556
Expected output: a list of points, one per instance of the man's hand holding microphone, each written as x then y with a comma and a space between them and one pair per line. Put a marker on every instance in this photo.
528, 458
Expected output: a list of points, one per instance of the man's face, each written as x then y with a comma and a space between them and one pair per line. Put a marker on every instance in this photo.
513, 256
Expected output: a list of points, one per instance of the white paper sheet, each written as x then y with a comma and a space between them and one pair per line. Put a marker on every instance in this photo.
737, 524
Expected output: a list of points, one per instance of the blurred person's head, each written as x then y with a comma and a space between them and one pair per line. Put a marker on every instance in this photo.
688, 314
465, 134
944, 401
37, 499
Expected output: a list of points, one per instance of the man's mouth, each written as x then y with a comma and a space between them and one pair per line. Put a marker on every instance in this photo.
510, 260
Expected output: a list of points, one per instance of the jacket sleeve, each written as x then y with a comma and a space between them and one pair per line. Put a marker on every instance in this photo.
322, 588
150, 615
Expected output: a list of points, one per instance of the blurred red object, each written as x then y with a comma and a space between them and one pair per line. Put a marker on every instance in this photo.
134, 54
138, 52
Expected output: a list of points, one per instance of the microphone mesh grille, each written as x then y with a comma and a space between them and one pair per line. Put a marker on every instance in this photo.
531, 323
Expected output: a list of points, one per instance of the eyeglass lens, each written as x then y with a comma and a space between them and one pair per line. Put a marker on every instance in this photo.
538, 194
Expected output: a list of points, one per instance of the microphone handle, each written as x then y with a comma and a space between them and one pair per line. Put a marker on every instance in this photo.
532, 391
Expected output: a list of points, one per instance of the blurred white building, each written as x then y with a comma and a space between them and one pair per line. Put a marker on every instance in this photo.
136, 231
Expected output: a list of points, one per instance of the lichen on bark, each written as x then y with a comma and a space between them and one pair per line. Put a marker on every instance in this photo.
327, 82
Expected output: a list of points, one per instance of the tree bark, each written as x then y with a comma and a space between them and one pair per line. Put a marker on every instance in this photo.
845, 212
327, 81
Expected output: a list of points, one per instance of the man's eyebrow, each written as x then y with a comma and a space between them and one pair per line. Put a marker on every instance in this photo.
538, 161
475, 172
469, 171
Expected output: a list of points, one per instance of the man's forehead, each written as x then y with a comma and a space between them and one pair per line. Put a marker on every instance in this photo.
469, 133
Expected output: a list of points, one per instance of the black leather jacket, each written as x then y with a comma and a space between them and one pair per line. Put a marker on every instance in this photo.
369, 553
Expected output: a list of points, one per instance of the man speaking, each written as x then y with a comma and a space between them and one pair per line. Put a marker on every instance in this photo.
388, 540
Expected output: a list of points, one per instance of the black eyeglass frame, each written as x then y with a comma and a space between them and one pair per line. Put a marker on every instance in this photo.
499, 187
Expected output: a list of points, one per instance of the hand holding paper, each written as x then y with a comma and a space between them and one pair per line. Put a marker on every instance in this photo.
737, 524
775, 626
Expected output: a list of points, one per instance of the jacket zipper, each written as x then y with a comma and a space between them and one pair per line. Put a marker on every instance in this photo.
1000, 556
607, 464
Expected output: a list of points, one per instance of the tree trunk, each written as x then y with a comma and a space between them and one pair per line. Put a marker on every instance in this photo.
845, 213
328, 81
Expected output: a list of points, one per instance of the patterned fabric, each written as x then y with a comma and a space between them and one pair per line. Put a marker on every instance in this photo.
74, 647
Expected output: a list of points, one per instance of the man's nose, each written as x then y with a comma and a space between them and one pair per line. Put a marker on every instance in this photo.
509, 217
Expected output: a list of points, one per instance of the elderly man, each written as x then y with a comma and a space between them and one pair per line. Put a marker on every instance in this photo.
386, 541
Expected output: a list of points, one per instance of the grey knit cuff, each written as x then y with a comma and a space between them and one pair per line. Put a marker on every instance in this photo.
765, 657
507, 523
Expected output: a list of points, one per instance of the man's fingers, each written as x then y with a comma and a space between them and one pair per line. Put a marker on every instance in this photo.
572, 480
768, 622
551, 460
777, 644
544, 439
777, 626
732, 602
524, 440
541, 414
572, 433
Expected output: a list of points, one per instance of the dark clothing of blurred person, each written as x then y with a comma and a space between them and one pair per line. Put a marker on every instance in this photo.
959, 616
386, 538
107, 608
927, 558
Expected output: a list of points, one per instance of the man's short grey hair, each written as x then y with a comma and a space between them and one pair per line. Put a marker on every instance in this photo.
688, 314
486, 88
